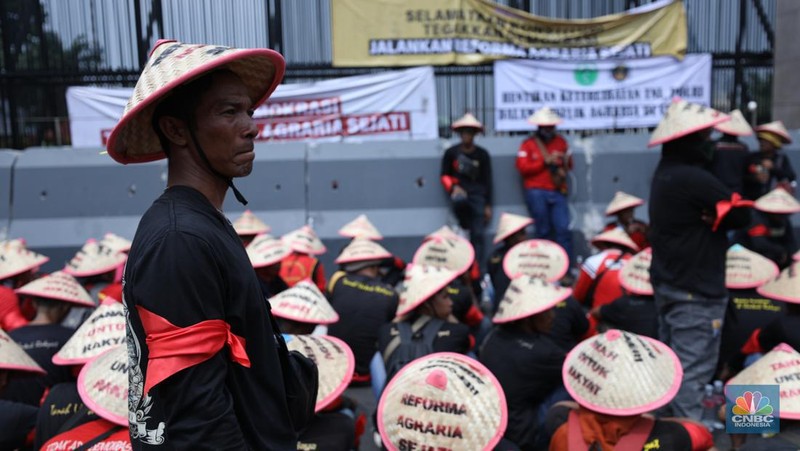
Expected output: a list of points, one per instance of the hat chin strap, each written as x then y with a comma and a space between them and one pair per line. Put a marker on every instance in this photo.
228, 180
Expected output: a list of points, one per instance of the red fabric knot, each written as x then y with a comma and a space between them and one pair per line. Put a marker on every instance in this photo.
724, 207
173, 349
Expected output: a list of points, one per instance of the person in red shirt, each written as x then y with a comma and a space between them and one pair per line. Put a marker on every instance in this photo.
544, 163
622, 206
17, 267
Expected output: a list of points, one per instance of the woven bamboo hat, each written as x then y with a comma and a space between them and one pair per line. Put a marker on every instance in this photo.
777, 129
510, 224
545, 117
745, 269
615, 236
361, 227
453, 253
527, 296
467, 121
94, 258
59, 286
102, 330
362, 250
249, 224
785, 287
116, 242
777, 201
622, 201
539, 258
266, 250
635, 274
737, 126
684, 118
304, 240
796, 256
304, 303
14, 358
172, 64
103, 385
446, 401
621, 373
444, 231
422, 282
777, 367
335, 364
16, 259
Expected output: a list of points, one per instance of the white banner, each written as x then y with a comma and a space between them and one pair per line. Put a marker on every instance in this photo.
386, 106
598, 94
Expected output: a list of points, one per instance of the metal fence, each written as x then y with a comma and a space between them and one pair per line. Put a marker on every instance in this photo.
50, 45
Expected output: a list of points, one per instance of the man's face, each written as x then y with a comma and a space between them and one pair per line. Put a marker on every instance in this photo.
766, 146
225, 127
467, 135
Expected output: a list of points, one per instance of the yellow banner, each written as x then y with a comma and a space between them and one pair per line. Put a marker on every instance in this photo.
441, 32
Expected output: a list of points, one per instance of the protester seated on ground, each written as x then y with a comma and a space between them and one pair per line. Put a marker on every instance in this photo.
729, 163
778, 366
616, 378
17, 419
510, 232
769, 167
53, 296
771, 233
474, 416
300, 309
745, 271
622, 206
391, 268
338, 422
248, 226
362, 301
302, 263
17, 267
98, 268
525, 360
266, 254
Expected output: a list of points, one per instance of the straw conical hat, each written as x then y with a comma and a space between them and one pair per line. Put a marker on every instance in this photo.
422, 282
102, 330
265, 250
445, 400
737, 126
467, 121
746, 269
13, 357
103, 385
776, 128
684, 118
453, 253
527, 296
361, 250
510, 224
16, 259
94, 258
785, 287
116, 242
777, 201
304, 240
635, 274
615, 236
335, 364
249, 224
172, 64
304, 303
545, 117
360, 227
621, 373
777, 367
539, 258
444, 231
60, 286
621, 201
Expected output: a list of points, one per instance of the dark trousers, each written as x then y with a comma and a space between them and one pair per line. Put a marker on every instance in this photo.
470, 215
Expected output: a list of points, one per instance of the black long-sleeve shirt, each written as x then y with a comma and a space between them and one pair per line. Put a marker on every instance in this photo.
473, 170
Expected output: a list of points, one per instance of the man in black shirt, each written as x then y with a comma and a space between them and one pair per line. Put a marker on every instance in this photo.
690, 213
770, 167
467, 177
510, 232
205, 365
729, 163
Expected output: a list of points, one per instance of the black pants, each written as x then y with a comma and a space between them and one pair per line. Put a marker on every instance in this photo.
470, 215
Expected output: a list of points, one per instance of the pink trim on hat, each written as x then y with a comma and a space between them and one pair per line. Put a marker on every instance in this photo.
91, 404
559, 274
508, 233
307, 320
756, 283
689, 131
480, 368
786, 137
30, 369
668, 396
612, 240
26, 268
539, 309
777, 297
363, 258
423, 299
351, 365
274, 57
634, 204
439, 239
54, 296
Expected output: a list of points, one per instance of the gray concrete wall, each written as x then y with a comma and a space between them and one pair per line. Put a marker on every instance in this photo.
785, 95
57, 198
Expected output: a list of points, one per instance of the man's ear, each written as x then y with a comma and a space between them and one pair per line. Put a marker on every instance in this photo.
175, 130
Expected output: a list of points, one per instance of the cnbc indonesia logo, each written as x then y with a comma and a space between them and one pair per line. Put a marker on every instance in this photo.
755, 410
